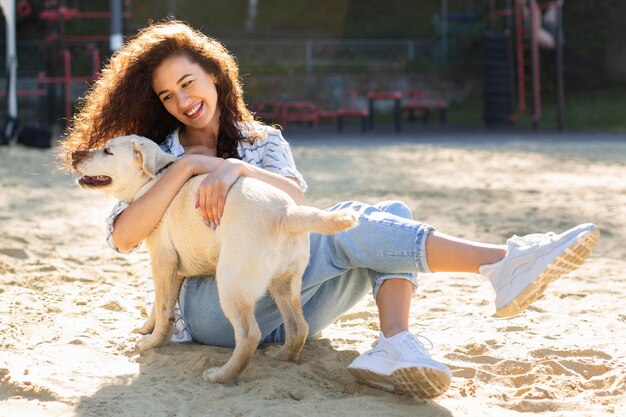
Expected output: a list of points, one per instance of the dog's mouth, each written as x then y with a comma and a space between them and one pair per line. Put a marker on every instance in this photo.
94, 180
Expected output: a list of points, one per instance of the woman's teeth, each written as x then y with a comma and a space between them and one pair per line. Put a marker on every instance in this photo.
194, 110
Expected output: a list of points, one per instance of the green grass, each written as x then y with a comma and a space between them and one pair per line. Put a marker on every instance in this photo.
597, 111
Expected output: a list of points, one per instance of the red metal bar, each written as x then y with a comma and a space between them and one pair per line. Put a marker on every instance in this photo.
74, 79
87, 38
499, 13
548, 4
69, 14
26, 93
99, 15
67, 61
383, 95
95, 60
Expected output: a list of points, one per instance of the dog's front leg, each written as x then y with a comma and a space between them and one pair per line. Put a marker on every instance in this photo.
148, 326
166, 288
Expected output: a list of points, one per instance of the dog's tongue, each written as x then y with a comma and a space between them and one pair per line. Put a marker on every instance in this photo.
94, 180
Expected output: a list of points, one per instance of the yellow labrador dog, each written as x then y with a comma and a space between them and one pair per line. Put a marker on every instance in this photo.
262, 244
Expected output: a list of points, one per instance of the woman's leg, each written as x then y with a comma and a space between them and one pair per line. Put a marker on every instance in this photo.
391, 291
450, 254
443, 254
342, 268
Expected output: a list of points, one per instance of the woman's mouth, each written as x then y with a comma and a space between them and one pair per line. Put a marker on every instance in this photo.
194, 112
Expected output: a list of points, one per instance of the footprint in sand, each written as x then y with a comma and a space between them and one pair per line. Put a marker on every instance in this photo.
546, 380
10, 387
14, 253
113, 306
563, 375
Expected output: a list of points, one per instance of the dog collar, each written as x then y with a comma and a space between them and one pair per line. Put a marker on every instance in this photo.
166, 166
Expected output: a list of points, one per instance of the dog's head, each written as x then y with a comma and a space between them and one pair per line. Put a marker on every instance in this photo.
123, 166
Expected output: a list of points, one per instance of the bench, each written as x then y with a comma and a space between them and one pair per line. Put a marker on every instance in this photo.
424, 101
298, 111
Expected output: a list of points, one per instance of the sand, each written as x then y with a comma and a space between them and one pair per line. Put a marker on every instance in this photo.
68, 303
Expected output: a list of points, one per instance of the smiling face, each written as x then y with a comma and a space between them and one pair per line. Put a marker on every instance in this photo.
188, 93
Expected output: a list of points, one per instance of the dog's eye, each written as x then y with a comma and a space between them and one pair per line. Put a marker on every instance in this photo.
107, 151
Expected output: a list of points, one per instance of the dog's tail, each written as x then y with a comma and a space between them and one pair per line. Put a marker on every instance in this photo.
301, 219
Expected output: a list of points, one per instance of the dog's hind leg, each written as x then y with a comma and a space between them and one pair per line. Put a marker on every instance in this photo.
285, 290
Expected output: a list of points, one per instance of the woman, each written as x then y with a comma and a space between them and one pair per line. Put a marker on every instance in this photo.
176, 86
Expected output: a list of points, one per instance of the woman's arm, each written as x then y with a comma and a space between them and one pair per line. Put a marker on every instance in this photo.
213, 190
290, 185
136, 222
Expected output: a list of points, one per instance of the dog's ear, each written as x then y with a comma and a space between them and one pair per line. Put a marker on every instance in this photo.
145, 156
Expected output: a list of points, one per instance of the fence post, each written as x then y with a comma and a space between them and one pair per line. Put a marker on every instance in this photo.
308, 51
410, 50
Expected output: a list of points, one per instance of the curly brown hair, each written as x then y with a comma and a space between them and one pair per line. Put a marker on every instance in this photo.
122, 100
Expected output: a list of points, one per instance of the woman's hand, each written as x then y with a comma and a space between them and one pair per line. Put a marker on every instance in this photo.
212, 192
198, 164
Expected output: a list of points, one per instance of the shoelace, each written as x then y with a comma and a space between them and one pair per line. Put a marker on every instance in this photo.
533, 239
414, 342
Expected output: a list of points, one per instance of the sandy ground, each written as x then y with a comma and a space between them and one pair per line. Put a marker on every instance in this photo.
68, 303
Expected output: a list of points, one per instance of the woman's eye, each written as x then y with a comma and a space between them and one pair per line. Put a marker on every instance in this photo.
107, 151
165, 98
187, 83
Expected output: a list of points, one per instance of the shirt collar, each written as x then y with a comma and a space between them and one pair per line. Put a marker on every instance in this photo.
172, 145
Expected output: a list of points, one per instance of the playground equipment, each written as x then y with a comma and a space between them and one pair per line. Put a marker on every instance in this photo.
10, 123
55, 81
512, 86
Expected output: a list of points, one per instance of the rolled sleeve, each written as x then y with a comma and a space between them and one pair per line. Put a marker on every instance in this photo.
279, 160
110, 222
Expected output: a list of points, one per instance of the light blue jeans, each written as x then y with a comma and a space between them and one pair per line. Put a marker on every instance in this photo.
342, 268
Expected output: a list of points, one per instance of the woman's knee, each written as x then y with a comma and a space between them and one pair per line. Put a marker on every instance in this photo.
395, 207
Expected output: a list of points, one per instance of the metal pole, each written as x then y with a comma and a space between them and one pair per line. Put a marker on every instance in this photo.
308, 56
560, 102
511, 55
117, 40
444, 31
67, 79
11, 59
410, 50
64, 90
534, 48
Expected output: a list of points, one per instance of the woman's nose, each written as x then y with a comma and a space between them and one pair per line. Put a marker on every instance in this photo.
183, 100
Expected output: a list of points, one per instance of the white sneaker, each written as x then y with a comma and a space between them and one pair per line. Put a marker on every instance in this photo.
402, 364
533, 262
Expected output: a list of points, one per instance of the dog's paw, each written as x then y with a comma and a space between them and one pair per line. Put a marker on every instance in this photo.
282, 354
147, 328
217, 376
148, 342
142, 330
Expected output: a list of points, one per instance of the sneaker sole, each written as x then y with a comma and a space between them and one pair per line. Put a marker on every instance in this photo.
569, 260
421, 383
